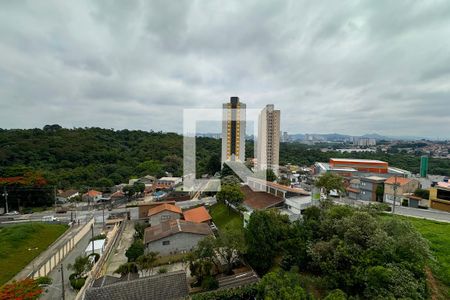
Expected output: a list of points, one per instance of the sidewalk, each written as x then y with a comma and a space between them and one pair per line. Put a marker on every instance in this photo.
54, 290
45, 255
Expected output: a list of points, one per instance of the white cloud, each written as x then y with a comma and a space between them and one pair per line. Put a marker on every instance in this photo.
349, 66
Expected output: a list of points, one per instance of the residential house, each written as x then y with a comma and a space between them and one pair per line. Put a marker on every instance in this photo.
169, 182
66, 196
365, 188
405, 187
174, 236
197, 215
92, 196
440, 196
163, 212
168, 286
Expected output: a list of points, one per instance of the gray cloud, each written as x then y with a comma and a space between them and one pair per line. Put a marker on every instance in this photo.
349, 66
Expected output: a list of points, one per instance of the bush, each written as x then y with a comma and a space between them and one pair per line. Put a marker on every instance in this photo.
162, 270
44, 280
134, 251
77, 283
244, 292
98, 237
336, 295
209, 283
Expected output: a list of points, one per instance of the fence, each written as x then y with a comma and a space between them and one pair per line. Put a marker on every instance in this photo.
46, 267
98, 268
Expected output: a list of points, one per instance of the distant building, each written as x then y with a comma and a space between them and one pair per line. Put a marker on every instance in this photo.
66, 196
423, 166
404, 186
233, 131
362, 165
365, 188
92, 196
440, 196
175, 236
364, 142
268, 146
168, 182
285, 137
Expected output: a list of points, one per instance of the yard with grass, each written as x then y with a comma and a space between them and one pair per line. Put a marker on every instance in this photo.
438, 234
20, 244
224, 217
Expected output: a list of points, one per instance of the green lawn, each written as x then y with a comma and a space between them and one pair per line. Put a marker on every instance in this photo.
438, 234
224, 217
20, 244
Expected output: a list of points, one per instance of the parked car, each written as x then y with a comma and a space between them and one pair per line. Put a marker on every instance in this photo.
12, 213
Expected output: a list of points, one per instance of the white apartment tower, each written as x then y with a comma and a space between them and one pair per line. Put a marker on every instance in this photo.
233, 131
268, 143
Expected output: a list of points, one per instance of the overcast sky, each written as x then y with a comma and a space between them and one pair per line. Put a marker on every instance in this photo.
351, 67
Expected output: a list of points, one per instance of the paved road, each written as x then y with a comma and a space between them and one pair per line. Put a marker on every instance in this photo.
54, 290
429, 214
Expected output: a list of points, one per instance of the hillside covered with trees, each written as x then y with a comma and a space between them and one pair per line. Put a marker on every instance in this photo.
102, 157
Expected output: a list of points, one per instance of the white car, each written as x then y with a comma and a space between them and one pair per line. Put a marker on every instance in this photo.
12, 213
49, 219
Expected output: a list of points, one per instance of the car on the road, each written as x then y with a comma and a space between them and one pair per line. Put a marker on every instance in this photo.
49, 219
12, 213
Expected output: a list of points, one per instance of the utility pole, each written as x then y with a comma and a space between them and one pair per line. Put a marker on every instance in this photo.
103, 214
54, 196
62, 283
395, 194
5, 194
92, 233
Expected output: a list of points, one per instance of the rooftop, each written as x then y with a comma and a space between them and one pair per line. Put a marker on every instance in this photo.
357, 160
68, 193
197, 215
162, 207
171, 227
259, 200
398, 180
93, 193
157, 287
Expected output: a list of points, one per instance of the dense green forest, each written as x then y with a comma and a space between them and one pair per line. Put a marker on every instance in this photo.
82, 157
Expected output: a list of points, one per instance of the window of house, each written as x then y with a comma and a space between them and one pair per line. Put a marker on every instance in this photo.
165, 243
165, 217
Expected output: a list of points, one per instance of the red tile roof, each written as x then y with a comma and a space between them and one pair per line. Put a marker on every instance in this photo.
162, 207
400, 180
93, 193
197, 215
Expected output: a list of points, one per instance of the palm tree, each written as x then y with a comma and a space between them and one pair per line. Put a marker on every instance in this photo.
127, 268
147, 261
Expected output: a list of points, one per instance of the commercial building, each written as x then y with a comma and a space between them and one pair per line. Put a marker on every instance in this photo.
356, 168
440, 196
361, 165
268, 145
233, 131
